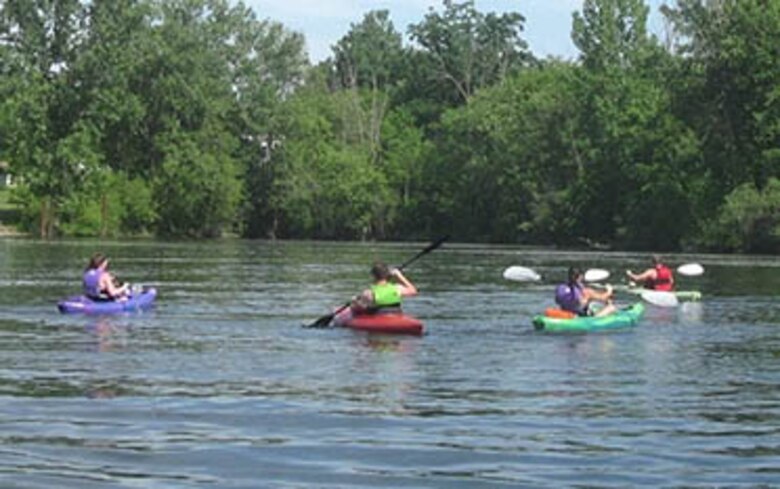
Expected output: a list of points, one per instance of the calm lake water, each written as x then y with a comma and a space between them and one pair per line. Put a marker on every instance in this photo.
219, 386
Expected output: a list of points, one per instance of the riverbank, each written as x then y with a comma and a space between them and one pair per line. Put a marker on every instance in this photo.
9, 215
9, 232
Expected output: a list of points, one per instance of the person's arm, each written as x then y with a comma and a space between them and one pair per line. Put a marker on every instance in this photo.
589, 295
406, 287
107, 284
649, 274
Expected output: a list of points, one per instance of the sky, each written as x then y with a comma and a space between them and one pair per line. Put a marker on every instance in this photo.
324, 22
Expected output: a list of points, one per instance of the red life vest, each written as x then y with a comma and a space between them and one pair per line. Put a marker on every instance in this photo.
663, 278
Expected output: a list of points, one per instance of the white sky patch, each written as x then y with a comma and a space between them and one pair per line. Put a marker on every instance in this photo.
324, 22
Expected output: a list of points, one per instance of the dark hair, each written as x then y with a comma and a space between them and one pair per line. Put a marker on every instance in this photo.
574, 273
96, 260
380, 271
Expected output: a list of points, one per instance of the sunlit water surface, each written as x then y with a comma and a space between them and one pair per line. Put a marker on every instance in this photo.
219, 386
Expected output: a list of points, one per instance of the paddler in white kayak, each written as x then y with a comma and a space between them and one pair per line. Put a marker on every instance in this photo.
574, 297
659, 277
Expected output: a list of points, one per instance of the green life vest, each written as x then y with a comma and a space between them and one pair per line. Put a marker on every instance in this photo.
386, 295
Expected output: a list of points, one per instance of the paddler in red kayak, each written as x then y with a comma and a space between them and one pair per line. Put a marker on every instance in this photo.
659, 277
386, 293
574, 297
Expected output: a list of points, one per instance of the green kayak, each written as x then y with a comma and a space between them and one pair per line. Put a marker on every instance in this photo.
682, 295
623, 318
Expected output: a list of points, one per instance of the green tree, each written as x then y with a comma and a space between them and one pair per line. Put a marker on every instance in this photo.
197, 189
732, 96
327, 185
748, 221
165, 96
369, 55
404, 153
266, 63
116, 46
636, 150
45, 143
189, 98
366, 62
611, 34
467, 50
502, 166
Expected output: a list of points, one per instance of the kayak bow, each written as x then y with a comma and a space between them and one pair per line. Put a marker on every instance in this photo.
622, 318
394, 322
82, 304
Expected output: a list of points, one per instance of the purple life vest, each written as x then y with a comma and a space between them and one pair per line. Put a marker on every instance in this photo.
91, 283
569, 297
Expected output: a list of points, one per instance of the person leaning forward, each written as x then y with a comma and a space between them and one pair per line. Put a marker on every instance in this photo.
658, 277
574, 297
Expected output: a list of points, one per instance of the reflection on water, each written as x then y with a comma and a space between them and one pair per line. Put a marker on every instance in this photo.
108, 333
691, 313
220, 386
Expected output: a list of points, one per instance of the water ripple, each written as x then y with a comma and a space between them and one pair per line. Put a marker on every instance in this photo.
219, 386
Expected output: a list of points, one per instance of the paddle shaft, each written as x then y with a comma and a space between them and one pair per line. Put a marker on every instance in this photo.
324, 320
427, 250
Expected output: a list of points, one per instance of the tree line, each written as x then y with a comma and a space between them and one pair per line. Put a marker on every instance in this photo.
195, 118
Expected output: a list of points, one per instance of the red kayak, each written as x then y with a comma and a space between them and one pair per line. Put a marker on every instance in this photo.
388, 322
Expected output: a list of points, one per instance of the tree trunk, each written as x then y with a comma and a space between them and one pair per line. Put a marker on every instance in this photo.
103, 215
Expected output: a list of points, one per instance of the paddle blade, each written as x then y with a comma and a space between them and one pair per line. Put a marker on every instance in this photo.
690, 270
660, 298
324, 321
321, 322
596, 275
521, 274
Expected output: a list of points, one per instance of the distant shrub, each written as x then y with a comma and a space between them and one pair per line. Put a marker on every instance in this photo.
107, 204
748, 221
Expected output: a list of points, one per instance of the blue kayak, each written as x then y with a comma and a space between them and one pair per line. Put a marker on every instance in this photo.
82, 304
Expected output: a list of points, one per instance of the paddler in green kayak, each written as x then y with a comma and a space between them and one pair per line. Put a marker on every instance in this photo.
659, 277
386, 293
574, 297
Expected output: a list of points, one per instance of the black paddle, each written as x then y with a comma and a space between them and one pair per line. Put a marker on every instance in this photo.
324, 321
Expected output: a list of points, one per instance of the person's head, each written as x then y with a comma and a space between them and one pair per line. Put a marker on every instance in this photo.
380, 271
98, 260
656, 259
575, 275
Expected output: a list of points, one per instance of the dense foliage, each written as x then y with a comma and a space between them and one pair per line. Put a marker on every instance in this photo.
193, 118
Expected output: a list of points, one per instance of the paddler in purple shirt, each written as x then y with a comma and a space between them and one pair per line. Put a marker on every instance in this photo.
99, 284
574, 297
